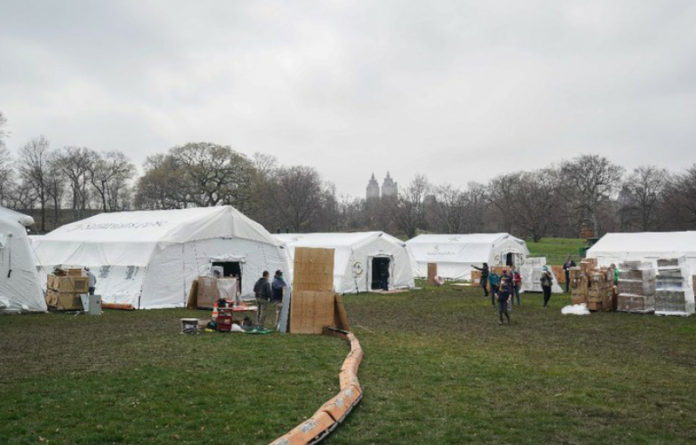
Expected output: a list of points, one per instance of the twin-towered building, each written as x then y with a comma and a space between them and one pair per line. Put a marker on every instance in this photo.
389, 188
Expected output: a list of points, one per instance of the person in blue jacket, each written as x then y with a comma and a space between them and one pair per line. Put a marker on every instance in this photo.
494, 281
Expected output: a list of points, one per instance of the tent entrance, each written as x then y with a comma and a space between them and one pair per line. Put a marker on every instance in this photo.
380, 273
508, 259
230, 269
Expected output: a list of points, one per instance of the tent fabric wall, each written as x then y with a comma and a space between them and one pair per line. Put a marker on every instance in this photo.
614, 248
352, 257
20, 288
456, 254
148, 259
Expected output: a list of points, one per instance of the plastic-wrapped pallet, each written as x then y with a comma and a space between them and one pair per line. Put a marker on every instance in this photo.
636, 287
674, 294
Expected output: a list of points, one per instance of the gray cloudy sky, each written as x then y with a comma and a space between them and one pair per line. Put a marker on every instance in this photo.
459, 91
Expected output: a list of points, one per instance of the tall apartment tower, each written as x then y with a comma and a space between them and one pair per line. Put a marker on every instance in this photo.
372, 189
389, 187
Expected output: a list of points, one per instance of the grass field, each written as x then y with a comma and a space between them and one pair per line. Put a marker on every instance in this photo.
556, 250
437, 369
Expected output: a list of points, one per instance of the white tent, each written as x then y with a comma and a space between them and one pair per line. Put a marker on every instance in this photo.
359, 258
148, 259
20, 289
456, 254
644, 246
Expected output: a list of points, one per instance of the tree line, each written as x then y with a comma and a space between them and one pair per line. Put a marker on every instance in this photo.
586, 193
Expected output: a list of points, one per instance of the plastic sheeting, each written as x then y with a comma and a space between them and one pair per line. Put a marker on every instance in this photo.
353, 253
456, 254
148, 259
20, 289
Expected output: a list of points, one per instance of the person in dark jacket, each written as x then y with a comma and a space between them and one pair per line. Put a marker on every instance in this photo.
546, 282
484, 278
566, 268
277, 290
504, 294
263, 294
494, 281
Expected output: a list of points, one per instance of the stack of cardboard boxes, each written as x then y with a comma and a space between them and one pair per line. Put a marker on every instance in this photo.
64, 289
673, 292
636, 287
592, 285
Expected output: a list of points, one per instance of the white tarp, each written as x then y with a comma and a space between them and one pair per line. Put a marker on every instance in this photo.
148, 259
20, 288
456, 254
530, 272
614, 248
353, 257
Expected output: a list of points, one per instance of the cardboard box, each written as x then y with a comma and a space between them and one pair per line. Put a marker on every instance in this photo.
74, 272
63, 301
207, 292
69, 284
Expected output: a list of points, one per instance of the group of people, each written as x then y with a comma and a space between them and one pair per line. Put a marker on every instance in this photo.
503, 288
267, 293
506, 286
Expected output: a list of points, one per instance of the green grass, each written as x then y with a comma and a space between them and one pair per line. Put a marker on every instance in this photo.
556, 250
437, 369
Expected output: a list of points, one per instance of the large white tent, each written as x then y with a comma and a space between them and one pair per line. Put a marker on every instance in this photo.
359, 258
644, 246
20, 289
148, 259
455, 255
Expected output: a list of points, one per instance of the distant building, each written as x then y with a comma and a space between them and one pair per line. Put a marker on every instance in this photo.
372, 189
389, 188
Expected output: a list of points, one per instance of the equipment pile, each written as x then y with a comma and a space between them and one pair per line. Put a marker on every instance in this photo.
64, 288
674, 294
592, 285
636, 287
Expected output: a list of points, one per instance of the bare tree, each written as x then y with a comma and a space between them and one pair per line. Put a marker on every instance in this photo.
641, 195
109, 175
7, 176
55, 185
535, 202
501, 196
679, 199
589, 181
76, 163
408, 212
298, 196
33, 168
3, 131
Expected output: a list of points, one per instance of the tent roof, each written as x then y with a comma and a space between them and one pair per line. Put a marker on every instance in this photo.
20, 218
459, 248
470, 238
646, 243
329, 240
172, 226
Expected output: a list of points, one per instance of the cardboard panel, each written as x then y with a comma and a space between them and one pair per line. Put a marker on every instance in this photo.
311, 311
313, 270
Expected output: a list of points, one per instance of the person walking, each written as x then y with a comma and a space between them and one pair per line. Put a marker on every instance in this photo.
278, 287
484, 278
504, 294
494, 281
566, 268
92, 280
546, 282
262, 292
516, 284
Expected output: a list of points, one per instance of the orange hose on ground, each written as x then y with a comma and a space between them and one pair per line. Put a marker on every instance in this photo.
124, 307
335, 410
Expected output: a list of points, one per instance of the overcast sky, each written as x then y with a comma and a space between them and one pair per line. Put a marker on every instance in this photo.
459, 91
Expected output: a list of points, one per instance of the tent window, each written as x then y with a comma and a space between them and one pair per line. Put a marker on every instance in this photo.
380, 273
230, 269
